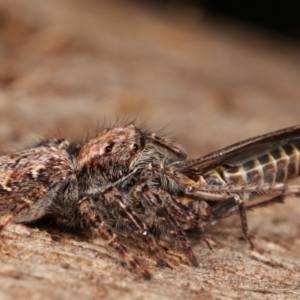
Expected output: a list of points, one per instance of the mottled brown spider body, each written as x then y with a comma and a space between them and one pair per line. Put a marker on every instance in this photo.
91, 184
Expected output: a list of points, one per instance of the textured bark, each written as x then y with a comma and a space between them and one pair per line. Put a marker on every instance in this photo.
65, 65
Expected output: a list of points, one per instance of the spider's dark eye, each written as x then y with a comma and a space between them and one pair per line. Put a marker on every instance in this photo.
135, 147
108, 148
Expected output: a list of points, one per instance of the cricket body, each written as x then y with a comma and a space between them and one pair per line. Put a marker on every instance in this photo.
127, 182
245, 175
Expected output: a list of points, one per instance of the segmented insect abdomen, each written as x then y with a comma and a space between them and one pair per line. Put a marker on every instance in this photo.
275, 166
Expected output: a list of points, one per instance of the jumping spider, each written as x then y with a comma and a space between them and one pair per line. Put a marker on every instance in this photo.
129, 181
114, 183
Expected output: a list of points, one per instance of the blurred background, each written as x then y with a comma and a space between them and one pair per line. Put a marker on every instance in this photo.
208, 73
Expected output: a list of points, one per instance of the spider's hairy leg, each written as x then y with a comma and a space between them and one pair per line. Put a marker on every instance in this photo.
20, 205
153, 200
91, 215
172, 148
139, 229
166, 178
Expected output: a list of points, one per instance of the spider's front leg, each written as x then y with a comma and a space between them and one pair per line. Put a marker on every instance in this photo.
92, 216
154, 201
160, 193
139, 229
123, 212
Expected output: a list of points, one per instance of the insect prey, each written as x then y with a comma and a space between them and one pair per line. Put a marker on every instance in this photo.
127, 181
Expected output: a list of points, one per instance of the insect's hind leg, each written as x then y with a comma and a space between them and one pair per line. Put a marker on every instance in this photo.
244, 222
292, 190
21, 205
229, 207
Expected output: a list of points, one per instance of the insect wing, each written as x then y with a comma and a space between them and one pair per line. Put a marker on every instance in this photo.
240, 152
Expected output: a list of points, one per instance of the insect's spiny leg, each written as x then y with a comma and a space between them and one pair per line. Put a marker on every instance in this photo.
293, 190
90, 213
218, 192
139, 228
21, 205
244, 222
152, 200
289, 190
186, 248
